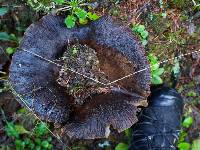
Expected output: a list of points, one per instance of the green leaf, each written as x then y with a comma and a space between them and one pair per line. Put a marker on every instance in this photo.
187, 122
184, 146
38, 147
70, 21
45, 144
19, 144
59, 1
3, 11
92, 16
31, 146
155, 66
20, 129
182, 136
121, 146
128, 132
22, 111
38, 141
50, 146
144, 34
10, 50
156, 80
196, 144
10, 130
49, 139
4, 36
81, 13
41, 129
153, 59
192, 94
74, 3
144, 42
159, 71
83, 21
140, 28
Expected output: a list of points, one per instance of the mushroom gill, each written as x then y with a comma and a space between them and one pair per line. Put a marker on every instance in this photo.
36, 69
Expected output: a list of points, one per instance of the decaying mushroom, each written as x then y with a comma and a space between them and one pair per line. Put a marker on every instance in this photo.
42, 76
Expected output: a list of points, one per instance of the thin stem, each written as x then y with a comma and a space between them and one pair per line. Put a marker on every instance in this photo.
64, 8
1, 72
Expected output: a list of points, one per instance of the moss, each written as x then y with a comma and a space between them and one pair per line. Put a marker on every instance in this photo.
85, 60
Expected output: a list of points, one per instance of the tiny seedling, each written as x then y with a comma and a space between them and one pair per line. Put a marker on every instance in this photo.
142, 32
10, 50
156, 71
186, 123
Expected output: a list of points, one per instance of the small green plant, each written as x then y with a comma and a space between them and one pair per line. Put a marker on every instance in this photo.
196, 144
24, 139
142, 32
77, 14
186, 123
121, 146
10, 50
38, 138
192, 94
156, 71
124, 146
4, 36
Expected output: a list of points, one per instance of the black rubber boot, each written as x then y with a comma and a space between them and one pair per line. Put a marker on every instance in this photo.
159, 124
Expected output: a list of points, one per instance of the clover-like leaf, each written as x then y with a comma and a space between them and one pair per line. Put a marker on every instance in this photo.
70, 21
92, 16
81, 13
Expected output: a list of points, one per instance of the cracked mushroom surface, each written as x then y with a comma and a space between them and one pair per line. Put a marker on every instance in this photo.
40, 80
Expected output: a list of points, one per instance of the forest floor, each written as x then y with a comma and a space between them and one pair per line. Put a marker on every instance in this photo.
173, 31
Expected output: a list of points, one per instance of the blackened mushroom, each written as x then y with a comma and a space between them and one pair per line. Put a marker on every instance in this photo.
33, 76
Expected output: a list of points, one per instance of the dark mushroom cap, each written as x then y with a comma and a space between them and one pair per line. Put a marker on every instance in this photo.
34, 79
